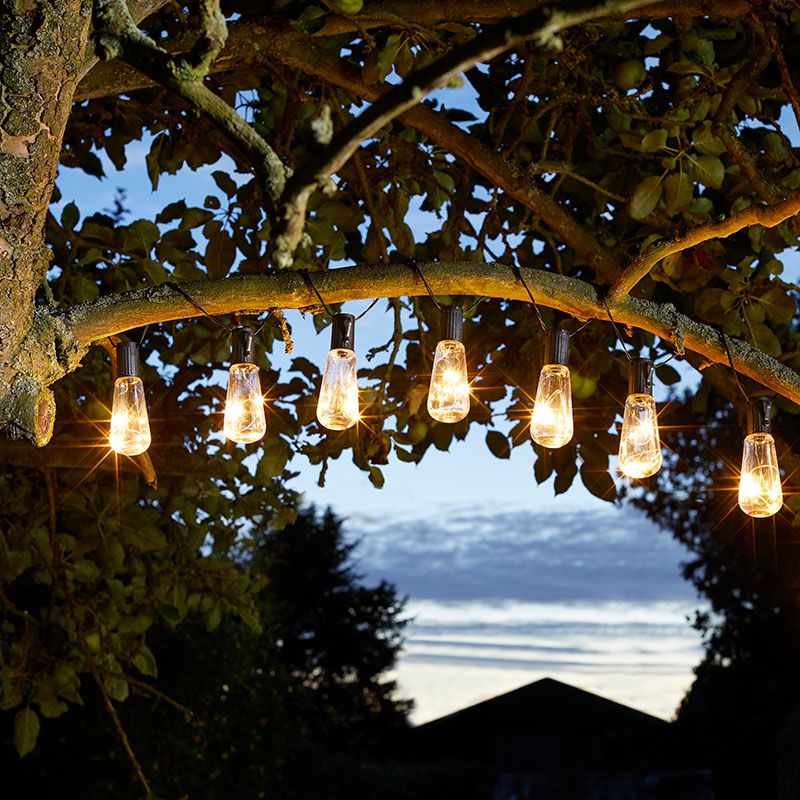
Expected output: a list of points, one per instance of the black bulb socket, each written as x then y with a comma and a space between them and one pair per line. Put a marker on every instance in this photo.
242, 350
640, 376
759, 411
128, 364
452, 324
343, 332
557, 347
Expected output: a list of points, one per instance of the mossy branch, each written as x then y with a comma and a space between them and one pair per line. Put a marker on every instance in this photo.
92, 321
116, 35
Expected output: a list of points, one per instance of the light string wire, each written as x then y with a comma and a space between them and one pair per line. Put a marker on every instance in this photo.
733, 369
175, 287
307, 278
616, 330
518, 275
416, 268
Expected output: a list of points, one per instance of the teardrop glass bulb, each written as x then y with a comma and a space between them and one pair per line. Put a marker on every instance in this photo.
760, 493
244, 405
551, 422
448, 395
639, 445
130, 427
337, 407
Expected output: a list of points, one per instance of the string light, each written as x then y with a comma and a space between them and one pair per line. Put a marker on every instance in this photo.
760, 492
551, 421
337, 407
639, 444
129, 433
448, 395
244, 404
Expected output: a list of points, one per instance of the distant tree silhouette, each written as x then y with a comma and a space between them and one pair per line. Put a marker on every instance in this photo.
744, 705
276, 714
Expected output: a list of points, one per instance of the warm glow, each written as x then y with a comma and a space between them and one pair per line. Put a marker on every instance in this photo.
244, 405
448, 395
130, 427
337, 407
760, 493
639, 446
551, 423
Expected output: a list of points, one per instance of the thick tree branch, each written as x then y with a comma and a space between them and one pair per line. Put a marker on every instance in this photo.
117, 35
540, 24
95, 320
768, 216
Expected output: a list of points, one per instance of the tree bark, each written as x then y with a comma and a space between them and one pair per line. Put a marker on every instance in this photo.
43, 48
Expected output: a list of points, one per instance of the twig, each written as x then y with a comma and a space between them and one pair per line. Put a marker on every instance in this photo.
768, 216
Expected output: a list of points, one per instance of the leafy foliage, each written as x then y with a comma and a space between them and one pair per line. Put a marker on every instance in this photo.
247, 711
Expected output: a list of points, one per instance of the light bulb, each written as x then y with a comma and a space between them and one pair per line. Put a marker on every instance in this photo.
337, 407
129, 433
760, 493
639, 444
244, 404
551, 421
448, 394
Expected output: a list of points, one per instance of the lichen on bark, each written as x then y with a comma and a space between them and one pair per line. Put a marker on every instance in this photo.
43, 50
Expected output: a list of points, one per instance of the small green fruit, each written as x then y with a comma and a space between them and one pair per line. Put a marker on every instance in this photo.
629, 74
93, 642
350, 6
417, 431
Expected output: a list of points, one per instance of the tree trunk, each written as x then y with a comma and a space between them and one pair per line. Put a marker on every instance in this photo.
42, 49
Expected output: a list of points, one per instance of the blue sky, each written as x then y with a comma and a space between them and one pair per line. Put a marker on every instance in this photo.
506, 582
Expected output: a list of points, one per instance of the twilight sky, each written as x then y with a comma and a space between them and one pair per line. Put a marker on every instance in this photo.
506, 583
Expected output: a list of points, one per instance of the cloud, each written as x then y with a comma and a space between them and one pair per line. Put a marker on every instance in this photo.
530, 555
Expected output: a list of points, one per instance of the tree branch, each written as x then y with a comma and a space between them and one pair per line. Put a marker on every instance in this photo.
117, 35
723, 128
94, 320
539, 24
768, 216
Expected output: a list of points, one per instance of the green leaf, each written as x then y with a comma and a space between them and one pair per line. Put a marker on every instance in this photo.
117, 689
779, 305
764, 339
376, 477
653, 141
145, 662
498, 444
709, 171
70, 216
645, 198
706, 142
598, 482
219, 257
26, 731
678, 191
668, 375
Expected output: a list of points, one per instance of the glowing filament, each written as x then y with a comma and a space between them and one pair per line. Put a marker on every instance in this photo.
551, 423
244, 405
448, 395
337, 407
760, 493
130, 428
639, 446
